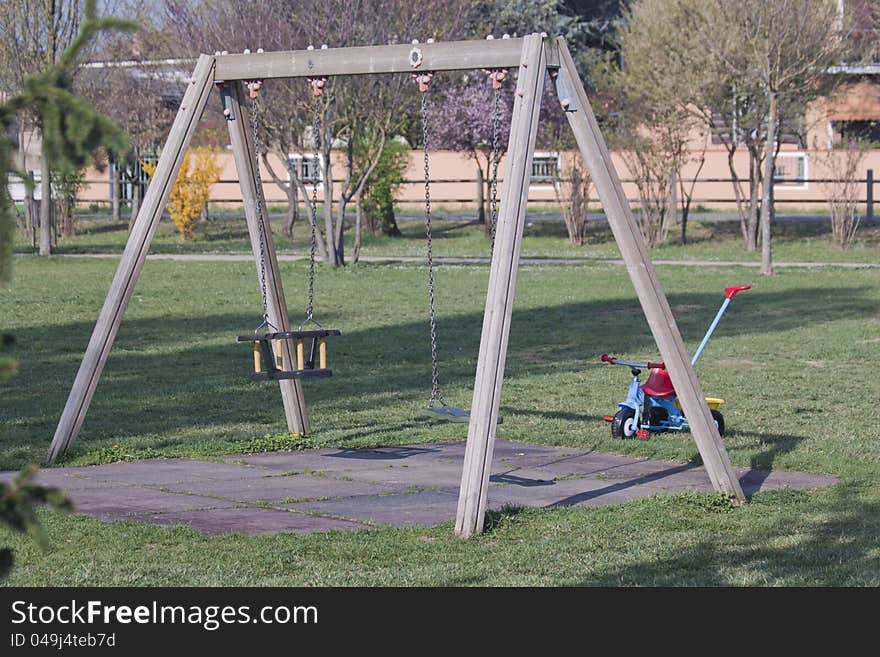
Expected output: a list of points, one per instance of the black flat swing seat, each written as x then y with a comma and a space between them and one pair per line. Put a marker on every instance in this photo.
268, 349
449, 414
446, 413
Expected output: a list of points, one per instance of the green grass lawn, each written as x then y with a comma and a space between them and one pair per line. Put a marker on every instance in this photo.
808, 241
795, 359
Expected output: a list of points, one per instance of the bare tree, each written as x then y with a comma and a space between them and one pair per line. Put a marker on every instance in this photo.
655, 177
365, 109
32, 36
464, 116
285, 106
748, 69
780, 50
349, 117
71, 128
139, 96
843, 191
573, 196
283, 115
657, 126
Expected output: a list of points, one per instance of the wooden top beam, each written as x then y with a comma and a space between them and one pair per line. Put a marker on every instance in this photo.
442, 56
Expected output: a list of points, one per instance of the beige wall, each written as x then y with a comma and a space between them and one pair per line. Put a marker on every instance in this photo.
852, 101
448, 165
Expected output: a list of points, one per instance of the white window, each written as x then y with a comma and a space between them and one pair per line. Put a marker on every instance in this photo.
791, 171
17, 189
545, 170
304, 165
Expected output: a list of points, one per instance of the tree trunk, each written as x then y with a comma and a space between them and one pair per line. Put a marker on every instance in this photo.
329, 233
45, 209
339, 237
738, 195
767, 198
684, 222
754, 187
135, 202
46, 178
481, 200
21, 161
292, 209
687, 196
389, 223
114, 191
330, 242
358, 223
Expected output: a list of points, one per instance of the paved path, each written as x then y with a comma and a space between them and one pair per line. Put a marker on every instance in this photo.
236, 257
327, 489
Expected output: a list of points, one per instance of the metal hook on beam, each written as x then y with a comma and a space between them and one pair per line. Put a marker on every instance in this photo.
562, 91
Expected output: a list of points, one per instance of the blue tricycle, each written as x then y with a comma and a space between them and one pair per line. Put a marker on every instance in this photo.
653, 405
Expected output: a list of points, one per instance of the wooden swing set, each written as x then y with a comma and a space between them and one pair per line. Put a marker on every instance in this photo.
533, 56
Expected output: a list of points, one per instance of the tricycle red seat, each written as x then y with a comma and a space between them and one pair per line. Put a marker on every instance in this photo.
659, 384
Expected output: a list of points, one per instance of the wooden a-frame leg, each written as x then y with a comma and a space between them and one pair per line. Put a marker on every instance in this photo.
502, 285
132, 260
644, 277
243, 151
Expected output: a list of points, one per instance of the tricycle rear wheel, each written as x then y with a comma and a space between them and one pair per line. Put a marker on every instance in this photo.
719, 421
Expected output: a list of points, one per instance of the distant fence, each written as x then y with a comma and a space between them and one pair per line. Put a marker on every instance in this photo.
231, 199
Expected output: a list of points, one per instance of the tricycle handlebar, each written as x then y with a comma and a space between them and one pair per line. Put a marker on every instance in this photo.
605, 358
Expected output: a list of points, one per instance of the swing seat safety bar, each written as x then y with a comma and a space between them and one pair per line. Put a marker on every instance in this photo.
286, 335
275, 374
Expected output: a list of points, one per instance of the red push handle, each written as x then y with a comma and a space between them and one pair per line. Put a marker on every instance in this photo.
661, 365
607, 359
730, 292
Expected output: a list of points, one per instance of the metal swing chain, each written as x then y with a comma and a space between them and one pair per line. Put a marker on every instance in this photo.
310, 308
258, 197
493, 196
436, 395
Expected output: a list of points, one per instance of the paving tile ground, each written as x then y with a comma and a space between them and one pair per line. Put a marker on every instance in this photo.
345, 489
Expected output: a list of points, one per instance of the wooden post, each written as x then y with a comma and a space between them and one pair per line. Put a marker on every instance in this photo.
502, 285
869, 197
644, 278
132, 259
239, 125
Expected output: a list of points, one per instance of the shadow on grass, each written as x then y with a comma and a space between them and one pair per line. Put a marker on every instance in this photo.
229, 233
172, 373
831, 543
769, 446
495, 519
553, 415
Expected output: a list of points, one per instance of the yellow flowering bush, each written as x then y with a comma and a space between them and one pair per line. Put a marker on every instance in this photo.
189, 195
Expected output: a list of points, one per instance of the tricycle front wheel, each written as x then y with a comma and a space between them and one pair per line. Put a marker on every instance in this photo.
623, 425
